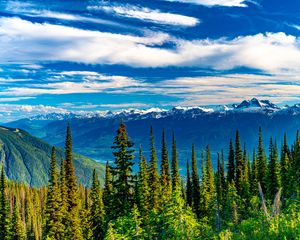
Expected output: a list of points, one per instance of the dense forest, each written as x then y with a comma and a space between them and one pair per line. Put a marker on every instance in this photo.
249, 196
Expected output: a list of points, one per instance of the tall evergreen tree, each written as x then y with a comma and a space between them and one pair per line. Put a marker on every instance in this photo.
174, 165
18, 230
261, 162
209, 182
108, 193
54, 227
189, 190
231, 164
143, 192
285, 167
166, 183
72, 224
97, 209
273, 171
153, 174
123, 180
239, 166
4, 209
254, 175
195, 183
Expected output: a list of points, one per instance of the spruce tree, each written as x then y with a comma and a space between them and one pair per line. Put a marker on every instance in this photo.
239, 166
189, 190
153, 174
18, 230
123, 180
209, 182
273, 171
231, 164
4, 209
108, 193
96, 209
143, 192
254, 175
195, 184
53, 225
261, 163
72, 224
166, 183
174, 166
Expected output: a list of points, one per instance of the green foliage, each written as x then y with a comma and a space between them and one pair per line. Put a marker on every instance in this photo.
123, 181
153, 174
27, 159
4, 209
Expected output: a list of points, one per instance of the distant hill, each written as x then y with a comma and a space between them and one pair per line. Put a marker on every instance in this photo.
27, 159
214, 125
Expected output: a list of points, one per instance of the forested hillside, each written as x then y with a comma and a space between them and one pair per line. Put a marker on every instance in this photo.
251, 195
27, 159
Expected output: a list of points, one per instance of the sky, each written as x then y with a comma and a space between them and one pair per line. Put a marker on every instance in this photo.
89, 55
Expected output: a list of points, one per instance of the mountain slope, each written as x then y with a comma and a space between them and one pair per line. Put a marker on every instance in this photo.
27, 159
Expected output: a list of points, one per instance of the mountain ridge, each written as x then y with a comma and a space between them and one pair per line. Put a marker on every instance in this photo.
129, 114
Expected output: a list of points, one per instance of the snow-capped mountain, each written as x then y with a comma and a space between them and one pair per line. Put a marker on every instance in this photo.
253, 105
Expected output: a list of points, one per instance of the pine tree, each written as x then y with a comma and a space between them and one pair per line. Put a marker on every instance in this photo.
123, 180
4, 209
209, 182
195, 184
18, 229
142, 193
54, 227
97, 209
153, 174
189, 190
108, 193
239, 166
231, 164
254, 175
261, 163
273, 171
166, 183
72, 224
175, 171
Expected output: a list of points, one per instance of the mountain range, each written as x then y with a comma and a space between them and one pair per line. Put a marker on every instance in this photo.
214, 125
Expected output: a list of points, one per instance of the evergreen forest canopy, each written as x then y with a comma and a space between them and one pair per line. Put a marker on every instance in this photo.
249, 196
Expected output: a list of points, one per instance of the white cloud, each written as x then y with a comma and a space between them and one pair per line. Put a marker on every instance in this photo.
225, 3
10, 112
270, 52
90, 82
147, 14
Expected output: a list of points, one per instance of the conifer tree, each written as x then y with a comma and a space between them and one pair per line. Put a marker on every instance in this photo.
166, 183
54, 227
4, 209
143, 193
254, 175
261, 163
153, 174
231, 164
18, 230
209, 182
72, 224
108, 193
123, 180
273, 171
97, 209
195, 184
174, 167
239, 166
189, 190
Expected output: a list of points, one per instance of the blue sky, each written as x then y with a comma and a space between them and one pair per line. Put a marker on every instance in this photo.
97, 55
